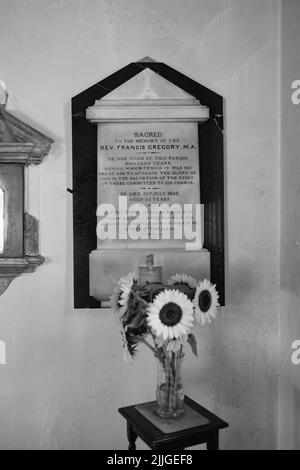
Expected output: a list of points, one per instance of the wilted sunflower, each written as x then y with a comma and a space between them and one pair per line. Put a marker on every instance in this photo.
170, 315
206, 302
120, 297
126, 283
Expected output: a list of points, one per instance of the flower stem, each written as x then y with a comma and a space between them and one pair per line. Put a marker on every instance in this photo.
142, 340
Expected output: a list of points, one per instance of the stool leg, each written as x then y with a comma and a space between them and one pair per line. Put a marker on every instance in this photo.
213, 441
131, 436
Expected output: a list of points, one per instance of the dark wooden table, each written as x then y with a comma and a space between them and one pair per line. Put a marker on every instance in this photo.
139, 426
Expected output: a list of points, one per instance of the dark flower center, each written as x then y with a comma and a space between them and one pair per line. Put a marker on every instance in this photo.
170, 314
205, 301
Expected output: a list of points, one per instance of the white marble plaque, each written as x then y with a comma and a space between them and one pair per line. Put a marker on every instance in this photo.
149, 163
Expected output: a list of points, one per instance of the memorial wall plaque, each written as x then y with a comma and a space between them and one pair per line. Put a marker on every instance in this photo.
145, 96
148, 156
149, 163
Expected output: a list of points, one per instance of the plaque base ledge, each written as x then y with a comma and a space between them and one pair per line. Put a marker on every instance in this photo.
107, 266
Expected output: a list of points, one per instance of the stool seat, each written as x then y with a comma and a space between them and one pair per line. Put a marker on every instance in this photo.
160, 436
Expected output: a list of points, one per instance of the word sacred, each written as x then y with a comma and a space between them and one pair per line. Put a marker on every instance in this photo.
147, 134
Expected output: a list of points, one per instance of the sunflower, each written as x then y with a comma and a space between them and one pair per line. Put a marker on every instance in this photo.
184, 279
206, 302
119, 306
118, 314
126, 283
116, 308
170, 315
120, 297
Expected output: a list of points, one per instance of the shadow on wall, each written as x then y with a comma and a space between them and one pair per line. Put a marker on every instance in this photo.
296, 393
243, 281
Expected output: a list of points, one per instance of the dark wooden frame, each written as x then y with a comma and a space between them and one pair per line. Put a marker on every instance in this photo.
211, 152
139, 426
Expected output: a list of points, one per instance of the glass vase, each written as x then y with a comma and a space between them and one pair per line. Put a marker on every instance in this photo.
169, 391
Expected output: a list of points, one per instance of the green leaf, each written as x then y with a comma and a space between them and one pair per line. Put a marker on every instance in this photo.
193, 343
137, 320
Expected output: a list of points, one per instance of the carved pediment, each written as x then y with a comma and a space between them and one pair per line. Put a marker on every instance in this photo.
148, 85
21, 143
149, 97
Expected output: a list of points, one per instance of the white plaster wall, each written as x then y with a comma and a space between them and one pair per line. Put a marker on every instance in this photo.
289, 425
65, 378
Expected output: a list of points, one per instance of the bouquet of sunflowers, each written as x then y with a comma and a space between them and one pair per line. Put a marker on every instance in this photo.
161, 317
164, 313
